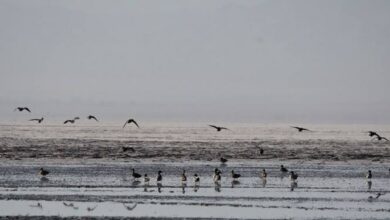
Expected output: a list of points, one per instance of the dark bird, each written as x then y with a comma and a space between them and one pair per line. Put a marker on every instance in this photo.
72, 121
196, 178
130, 208
22, 109
92, 117
218, 128
68, 204
371, 198
261, 150
130, 121
90, 209
264, 174
217, 175
283, 169
135, 175
293, 176
159, 176
377, 136
300, 129
39, 120
124, 149
43, 172
235, 175
369, 175
223, 160
183, 176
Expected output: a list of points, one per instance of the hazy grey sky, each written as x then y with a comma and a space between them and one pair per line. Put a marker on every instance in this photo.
243, 61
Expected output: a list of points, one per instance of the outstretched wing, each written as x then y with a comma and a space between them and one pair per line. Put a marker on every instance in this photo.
67, 121
213, 126
128, 121
27, 109
132, 120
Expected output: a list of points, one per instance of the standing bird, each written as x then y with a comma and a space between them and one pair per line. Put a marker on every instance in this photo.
43, 172
159, 176
92, 117
293, 176
264, 174
218, 128
130, 121
223, 160
183, 177
146, 179
261, 150
283, 169
217, 175
235, 176
22, 109
300, 129
39, 120
196, 179
135, 175
369, 175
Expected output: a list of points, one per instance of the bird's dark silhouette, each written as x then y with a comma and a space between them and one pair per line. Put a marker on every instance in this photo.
130, 208
283, 169
235, 175
72, 121
22, 109
218, 127
43, 172
124, 149
131, 121
376, 136
135, 175
223, 160
300, 129
159, 176
39, 120
92, 117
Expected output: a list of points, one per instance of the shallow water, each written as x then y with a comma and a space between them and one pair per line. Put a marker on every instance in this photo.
323, 191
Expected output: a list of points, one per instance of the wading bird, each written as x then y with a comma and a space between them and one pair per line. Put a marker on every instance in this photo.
43, 172
283, 169
218, 128
223, 160
22, 109
39, 120
135, 175
235, 176
130, 121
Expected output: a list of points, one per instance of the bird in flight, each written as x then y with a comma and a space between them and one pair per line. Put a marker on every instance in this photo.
92, 117
39, 120
130, 121
377, 136
300, 129
22, 109
130, 208
72, 121
218, 128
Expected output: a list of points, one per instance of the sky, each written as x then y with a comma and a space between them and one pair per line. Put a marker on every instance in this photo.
216, 60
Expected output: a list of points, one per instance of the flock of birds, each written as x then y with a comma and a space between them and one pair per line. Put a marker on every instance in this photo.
372, 134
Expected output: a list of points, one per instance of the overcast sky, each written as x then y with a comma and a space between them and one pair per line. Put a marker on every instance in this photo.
234, 61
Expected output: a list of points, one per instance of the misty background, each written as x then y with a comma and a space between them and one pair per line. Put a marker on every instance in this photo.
220, 60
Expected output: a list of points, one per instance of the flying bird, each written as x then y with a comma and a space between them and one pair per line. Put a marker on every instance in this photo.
130, 121
22, 109
90, 209
300, 129
218, 128
39, 120
72, 121
92, 117
130, 208
376, 135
